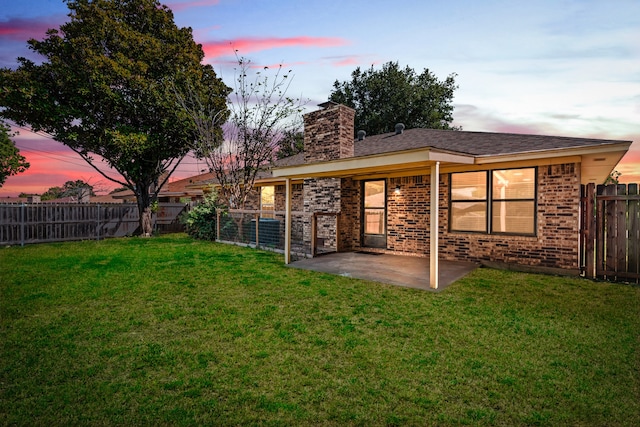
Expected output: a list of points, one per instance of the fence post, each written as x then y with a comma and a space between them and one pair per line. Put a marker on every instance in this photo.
257, 218
634, 230
22, 224
218, 224
589, 227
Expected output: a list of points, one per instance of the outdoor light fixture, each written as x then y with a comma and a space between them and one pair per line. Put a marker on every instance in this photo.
397, 190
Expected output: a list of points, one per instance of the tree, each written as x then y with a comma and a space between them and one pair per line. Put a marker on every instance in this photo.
102, 90
392, 95
261, 114
11, 161
613, 178
77, 190
291, 143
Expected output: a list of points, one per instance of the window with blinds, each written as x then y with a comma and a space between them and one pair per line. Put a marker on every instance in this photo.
498, 201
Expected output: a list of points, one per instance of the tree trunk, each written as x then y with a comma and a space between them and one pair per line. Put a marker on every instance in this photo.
145, 222
144, 211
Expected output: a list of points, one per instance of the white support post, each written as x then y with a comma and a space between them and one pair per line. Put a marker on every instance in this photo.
287, 223
433, 219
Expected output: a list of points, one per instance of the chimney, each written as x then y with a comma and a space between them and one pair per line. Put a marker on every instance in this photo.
399, 128
328, 133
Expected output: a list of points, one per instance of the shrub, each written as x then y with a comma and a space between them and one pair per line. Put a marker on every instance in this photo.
200, 221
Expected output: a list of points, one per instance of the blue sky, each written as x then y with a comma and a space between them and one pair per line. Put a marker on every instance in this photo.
546, 67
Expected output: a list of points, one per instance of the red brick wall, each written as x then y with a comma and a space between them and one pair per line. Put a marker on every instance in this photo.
328, 134
281, 198
556, 242
554, 246
350, 214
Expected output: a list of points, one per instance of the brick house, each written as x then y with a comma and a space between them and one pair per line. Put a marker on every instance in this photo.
485, 197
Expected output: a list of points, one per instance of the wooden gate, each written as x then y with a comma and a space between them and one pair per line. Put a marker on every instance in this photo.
610, 232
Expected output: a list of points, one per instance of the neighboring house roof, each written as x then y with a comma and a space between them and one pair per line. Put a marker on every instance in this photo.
422, 147
179, 188
182, 185
13, 199
107, 198
264, 177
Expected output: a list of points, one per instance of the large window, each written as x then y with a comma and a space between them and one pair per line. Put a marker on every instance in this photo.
513, 201
469, 201
501, 201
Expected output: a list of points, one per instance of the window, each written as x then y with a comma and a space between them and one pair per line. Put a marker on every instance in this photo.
469, 201
502, 201
374, 207
513, 202
267, 201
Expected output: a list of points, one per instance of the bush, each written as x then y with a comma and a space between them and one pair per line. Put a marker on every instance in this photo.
200, 221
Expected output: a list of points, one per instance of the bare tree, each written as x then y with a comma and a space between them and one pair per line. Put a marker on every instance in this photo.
261, 114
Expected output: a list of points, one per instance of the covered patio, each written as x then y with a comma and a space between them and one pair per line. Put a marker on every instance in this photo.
411, 162
398, 270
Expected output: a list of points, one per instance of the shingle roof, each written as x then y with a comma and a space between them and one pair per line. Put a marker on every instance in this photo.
463, 142
474, 143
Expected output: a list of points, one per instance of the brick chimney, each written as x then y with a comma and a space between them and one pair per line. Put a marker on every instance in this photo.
328, 133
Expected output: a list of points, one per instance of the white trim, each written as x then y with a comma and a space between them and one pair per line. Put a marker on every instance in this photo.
394, 161
287, 223
433, 232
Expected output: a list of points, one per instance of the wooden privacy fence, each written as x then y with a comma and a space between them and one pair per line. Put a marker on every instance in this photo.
22, 224
610, 232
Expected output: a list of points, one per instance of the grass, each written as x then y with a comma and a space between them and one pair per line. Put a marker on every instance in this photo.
170, 331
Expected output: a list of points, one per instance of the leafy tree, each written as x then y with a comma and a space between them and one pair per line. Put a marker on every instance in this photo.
613, 178
11, 161
102, 90
291, 143
77, 189
52, 193
393, 95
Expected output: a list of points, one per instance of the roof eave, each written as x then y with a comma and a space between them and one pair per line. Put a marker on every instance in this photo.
596, 161
418, 159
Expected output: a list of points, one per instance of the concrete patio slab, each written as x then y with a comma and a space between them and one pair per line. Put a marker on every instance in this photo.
407, 271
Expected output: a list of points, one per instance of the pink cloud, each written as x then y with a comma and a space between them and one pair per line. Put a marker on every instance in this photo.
177, 7
246, 45
18, 29
350, 61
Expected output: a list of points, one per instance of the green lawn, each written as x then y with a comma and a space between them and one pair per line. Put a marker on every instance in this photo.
171, 331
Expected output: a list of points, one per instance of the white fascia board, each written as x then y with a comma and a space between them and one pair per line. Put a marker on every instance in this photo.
560, 152
388, 161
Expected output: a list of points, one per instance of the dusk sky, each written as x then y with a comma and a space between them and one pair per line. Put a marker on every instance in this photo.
554, 67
